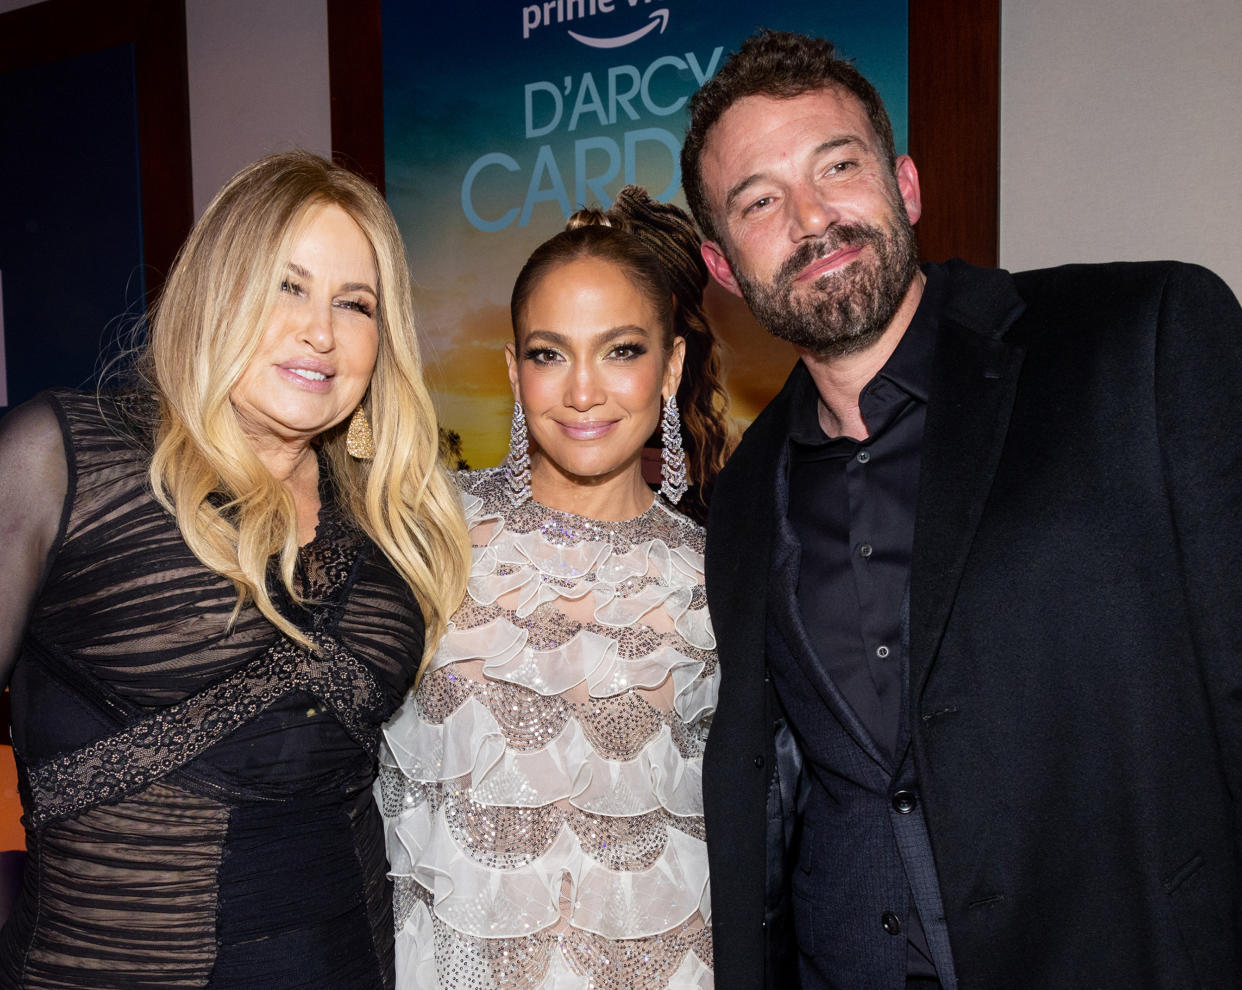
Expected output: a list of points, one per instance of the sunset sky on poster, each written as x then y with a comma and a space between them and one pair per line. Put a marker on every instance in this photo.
502, 117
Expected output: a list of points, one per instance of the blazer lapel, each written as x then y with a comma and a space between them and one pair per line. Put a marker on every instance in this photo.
974, 381
738, 564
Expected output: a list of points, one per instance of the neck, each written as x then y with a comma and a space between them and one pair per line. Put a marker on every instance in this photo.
620, 495
840, 379
293, 465
297, 469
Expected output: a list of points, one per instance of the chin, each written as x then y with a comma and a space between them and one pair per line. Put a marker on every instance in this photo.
589, 470
586, 474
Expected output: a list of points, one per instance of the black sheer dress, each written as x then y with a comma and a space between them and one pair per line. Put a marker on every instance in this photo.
197, 799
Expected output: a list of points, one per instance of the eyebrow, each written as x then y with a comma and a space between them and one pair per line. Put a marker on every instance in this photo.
301, 272
739, 188
603, 337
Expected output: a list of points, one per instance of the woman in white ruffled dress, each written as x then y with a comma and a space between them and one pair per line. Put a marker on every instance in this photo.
542, 786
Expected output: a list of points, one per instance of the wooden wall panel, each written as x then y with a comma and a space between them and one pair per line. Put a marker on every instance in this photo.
955, 126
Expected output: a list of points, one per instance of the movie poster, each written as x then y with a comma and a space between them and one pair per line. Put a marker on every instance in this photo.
503, 117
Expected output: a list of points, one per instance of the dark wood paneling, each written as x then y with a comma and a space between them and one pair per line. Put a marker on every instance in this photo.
164, 132
955, 126
356, 81
61, 29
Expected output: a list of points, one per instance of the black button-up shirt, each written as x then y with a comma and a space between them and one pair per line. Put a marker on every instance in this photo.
851, 506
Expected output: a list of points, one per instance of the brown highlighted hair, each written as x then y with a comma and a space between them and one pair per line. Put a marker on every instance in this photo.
778, 64
657, 246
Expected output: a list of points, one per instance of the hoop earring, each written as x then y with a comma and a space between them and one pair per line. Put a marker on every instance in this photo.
672, 457
517, 464
359, 440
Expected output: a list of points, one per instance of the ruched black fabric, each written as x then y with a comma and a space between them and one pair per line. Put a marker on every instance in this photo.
197, 795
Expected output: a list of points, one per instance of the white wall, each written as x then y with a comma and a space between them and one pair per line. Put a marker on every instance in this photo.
258, 74
1121, 135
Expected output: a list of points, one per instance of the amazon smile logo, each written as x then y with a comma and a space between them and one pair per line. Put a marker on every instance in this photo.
595, 35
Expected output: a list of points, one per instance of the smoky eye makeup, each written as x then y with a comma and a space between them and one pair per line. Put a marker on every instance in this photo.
540, 355
627, 350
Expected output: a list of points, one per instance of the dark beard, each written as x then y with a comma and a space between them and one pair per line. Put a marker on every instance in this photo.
847, 310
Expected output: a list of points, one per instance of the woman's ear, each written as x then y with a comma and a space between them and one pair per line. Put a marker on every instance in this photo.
511, 362
673, 366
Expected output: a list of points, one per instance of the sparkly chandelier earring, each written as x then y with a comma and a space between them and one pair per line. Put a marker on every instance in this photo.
672, 457
517, 464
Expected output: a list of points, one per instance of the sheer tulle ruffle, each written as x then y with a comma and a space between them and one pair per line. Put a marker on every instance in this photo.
587, 658
548, 962
626, 584
543, 789
470, 744
487, 902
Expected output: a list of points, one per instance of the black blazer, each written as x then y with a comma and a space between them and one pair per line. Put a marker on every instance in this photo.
1075, 638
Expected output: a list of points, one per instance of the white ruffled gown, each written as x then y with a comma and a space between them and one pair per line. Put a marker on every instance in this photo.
542, 789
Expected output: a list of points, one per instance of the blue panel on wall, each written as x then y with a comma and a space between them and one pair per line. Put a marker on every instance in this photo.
70, 218
497, 127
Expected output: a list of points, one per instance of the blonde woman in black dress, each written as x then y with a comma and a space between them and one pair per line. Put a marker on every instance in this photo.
215, 589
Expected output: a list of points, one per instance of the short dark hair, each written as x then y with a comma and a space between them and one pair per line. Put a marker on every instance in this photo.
778, 64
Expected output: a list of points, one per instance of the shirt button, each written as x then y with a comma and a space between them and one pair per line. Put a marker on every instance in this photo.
759, 762
863, 456
891, 923
865, 550
904, 802
881, 651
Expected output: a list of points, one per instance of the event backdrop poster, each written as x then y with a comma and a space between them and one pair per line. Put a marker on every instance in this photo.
503, 117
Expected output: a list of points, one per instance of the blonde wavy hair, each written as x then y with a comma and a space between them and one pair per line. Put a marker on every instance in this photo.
205, 330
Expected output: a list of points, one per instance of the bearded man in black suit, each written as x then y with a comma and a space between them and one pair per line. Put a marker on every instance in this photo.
975, 580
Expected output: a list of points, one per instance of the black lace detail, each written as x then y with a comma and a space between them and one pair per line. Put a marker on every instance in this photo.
325, 569
154, 747
326, 563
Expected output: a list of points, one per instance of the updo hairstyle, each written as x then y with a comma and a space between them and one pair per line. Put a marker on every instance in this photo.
657, 246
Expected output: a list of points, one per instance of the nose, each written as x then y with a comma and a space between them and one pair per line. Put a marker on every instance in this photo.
583, 390
810, 214
317, 329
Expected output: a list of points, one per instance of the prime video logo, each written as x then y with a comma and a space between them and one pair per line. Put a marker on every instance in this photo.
538, 15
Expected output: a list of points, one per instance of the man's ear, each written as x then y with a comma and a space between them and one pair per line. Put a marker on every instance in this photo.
908, 185
718, 265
